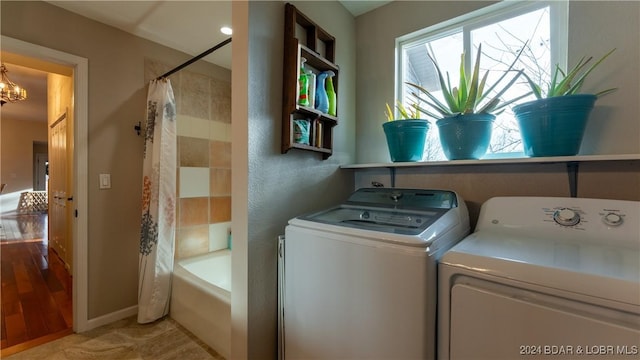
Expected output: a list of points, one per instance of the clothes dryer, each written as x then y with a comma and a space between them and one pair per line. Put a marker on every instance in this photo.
544, 278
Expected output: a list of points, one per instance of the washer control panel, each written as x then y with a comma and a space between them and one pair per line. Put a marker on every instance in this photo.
566, 217
613, 218
602, 219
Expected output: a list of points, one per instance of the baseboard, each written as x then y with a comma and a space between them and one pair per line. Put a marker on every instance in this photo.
112, 317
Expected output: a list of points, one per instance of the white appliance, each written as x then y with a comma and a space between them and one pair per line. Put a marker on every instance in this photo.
544, 278
360, 279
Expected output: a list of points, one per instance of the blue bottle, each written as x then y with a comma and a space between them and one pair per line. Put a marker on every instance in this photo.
322, 100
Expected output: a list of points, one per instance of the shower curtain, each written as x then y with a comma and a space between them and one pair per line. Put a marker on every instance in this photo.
157, 231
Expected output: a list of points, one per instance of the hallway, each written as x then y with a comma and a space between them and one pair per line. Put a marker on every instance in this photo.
36, 287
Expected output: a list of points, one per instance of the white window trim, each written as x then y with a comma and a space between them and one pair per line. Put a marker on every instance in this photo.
559, 18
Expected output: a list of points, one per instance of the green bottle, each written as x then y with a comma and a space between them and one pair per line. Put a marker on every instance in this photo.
303, 83
331, 93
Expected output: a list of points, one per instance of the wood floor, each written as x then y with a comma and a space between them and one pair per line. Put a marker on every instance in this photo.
36, 287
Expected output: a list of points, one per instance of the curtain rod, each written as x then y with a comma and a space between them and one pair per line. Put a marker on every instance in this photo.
180, 67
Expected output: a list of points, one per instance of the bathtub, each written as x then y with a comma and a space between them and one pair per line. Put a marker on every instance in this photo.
201, 298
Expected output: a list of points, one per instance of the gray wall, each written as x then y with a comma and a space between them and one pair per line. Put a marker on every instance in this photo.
478, 183
595, 27
279, 186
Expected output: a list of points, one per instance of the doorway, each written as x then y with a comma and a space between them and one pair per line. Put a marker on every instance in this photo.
40, 166
77, 227
36, 257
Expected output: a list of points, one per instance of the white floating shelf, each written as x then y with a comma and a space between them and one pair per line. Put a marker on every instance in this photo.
521, 160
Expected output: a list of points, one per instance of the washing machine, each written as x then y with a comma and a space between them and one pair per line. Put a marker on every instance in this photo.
544, 278
358, 281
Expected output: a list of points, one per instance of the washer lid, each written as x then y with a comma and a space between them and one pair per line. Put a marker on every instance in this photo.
398, 222
399, 211
595, 269
403, 199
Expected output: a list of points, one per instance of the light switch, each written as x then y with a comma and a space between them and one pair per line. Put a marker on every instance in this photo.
105, 181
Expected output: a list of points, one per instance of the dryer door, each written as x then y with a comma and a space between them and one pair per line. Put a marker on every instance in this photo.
487, 318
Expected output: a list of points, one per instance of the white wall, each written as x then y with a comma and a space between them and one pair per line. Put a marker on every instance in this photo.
277, 186
594, 28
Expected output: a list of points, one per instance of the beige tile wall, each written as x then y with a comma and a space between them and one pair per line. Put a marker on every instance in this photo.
204, 160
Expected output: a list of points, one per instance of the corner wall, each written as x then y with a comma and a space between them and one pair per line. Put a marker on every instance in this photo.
279, 186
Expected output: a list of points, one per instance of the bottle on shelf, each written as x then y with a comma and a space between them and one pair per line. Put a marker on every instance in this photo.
311, 80
331, 93
322, 99
303, 83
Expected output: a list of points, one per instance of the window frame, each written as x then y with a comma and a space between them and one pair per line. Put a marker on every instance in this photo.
559, 30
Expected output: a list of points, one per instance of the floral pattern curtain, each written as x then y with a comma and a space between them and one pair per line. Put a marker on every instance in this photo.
157, 234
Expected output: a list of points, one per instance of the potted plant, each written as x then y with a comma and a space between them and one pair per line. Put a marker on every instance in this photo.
554, 123
406, 134
465, 118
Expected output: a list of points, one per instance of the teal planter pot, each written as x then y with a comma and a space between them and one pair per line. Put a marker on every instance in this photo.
554, 126
406, 139
465, 137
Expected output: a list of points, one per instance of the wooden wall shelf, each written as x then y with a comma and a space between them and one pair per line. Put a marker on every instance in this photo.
304, 39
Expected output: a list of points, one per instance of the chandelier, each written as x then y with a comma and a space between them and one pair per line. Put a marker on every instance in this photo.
9, 91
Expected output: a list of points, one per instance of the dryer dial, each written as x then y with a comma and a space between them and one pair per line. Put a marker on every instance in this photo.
612, 219
566, 217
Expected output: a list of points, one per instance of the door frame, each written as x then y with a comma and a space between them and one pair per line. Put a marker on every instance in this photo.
80, 67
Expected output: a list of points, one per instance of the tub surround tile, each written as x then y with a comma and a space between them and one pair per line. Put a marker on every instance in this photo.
193, 127
191, 241
220, 101
220, 182
203, 129
219, 131
220, 209
204, 159
218, 234
194, 182
193, 152
195, 95
194, 211
220, 154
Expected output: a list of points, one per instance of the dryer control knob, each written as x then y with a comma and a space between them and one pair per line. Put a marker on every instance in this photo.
612, 219
566, 217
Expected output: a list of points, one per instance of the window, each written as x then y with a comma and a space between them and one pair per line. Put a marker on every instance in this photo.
539, 29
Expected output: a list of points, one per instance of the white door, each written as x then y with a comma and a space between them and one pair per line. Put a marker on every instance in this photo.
58, 192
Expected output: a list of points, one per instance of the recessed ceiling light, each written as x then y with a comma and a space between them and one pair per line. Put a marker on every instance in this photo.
226, 30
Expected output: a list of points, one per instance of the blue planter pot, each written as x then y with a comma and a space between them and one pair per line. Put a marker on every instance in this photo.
554, 126
465, 137
406, 139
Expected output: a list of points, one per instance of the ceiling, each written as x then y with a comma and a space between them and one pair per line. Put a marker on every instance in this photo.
155, 21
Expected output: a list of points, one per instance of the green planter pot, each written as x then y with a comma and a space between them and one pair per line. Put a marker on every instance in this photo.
465, 137
406, 139
554, 126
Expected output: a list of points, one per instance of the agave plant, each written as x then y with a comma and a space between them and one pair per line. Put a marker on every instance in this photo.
471, 96
405, 114
570, 83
